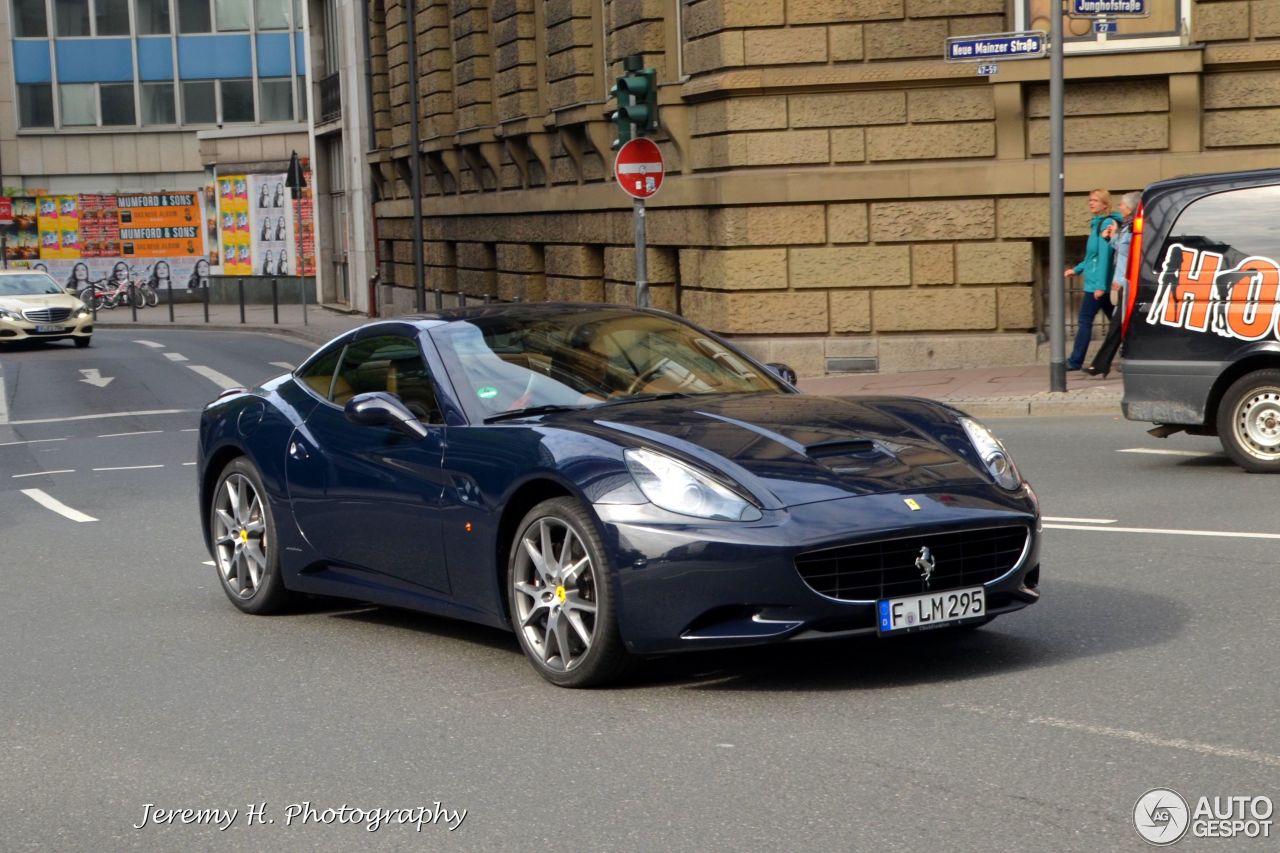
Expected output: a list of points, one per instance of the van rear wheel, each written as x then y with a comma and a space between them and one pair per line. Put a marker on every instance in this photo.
1249, 422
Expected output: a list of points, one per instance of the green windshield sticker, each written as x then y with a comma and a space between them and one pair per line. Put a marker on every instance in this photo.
484, 392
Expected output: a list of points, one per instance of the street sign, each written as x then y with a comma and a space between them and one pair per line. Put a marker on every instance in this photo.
6, 210
1027, 45
639, 168
1109, 9
1104, 26
988, 70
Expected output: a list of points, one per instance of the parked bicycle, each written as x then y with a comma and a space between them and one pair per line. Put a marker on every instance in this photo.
108, 293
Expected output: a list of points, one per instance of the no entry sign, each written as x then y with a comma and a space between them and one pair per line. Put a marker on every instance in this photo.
638, 168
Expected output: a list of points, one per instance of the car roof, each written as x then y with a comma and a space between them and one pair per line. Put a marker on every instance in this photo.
23, 272
1254, 176
519, 311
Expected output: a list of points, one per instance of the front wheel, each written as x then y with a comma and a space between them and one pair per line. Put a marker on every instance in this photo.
81, 343
562, 605
150, 296
1249, 422
243, 538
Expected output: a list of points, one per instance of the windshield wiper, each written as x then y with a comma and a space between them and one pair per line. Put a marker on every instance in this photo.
531, 411
645, 398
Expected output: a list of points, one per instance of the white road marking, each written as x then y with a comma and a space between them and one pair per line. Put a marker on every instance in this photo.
1081, 520
151, 344
104, 415
57, 506
1144, 738
139, 432
1226, 534
4, 402
129, 468
190, 429
220, 379
207, 563
42, 473
184, 464
175, 356
283, 365
31, 441
1162, 452
93, 377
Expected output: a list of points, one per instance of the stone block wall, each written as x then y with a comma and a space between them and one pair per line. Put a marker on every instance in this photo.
834, 190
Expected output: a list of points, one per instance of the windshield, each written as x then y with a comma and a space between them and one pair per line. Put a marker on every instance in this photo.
35, 284
526, 360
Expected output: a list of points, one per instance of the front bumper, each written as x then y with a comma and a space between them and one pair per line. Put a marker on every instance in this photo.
683, 586
12, 330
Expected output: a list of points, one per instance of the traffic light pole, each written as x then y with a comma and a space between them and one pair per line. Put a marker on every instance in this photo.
642, 261
1057, 265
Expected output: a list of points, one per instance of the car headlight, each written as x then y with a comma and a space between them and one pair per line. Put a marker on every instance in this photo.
6, 314
994, 457
678, 488
84, 311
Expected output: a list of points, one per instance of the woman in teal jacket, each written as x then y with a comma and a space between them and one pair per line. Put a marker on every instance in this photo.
1096, 269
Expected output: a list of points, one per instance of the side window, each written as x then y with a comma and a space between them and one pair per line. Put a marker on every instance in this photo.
318, 375
390, 363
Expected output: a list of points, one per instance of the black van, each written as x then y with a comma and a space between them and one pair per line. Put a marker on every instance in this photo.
1202, 325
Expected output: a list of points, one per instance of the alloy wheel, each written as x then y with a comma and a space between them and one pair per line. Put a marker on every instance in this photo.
555, 589
240, 536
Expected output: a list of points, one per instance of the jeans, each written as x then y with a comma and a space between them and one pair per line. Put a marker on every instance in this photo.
1089, 307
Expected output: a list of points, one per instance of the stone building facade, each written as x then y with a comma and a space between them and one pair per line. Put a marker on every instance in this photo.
838, 196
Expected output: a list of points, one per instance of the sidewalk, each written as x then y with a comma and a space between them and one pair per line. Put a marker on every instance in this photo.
989, 392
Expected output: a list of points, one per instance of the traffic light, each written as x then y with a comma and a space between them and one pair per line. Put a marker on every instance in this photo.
637, 96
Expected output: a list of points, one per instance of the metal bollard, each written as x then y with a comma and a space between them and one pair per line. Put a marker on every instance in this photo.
488, 299
240, 281
439, 299
462, 299
168, 286
134, 295
275, 301
204, 285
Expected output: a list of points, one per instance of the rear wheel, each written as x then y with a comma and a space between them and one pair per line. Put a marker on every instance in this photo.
150, 296
242, 535
1249, 422
562, 605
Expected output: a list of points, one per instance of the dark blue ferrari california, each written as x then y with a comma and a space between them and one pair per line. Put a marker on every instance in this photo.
608, 483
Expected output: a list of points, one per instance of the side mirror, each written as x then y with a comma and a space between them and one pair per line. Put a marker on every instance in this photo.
378, 408
783, 372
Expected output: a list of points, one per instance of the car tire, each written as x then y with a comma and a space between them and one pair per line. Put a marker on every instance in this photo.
81, 343
242, 539
1249, 422
566, 622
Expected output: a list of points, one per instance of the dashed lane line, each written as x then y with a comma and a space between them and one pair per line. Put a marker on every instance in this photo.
143, 414
139, 432
283, 365
44, 473
220, 379
31, 441
4, 401
1160, 531
129, 468
151, 344
175, 356
50, 503
1162, 452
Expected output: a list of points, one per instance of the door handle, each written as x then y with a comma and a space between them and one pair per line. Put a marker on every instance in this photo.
298, 451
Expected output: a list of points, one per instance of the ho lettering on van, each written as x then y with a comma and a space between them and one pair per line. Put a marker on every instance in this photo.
1196, 291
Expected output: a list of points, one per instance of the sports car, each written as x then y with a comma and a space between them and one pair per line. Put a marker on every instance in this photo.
608, 483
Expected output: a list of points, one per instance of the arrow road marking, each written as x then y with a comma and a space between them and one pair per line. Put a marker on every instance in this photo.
51, 503
93, 377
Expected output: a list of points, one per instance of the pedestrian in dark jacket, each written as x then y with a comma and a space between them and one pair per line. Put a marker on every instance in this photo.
1095, 270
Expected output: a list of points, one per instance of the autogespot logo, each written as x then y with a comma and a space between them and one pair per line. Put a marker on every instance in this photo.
1161, 816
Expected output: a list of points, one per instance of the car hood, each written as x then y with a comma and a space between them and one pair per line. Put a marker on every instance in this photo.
41, 300
806, 448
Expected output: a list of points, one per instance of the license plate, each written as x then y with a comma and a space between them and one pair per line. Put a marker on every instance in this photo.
920, 612
44, 327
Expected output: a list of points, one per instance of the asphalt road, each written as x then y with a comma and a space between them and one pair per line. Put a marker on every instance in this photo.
127, 679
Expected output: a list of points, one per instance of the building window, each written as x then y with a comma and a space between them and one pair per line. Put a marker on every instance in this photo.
231, 15
29, 19
35, 105
111, 17
1166, 26
157, 104
237, 100
194, 17
79, 104
272, 14
275, 99
199, 105
152, 17
117, 103
72, 17
302, 98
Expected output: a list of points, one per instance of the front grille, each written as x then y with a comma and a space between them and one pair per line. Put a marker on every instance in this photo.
47, 315
887, 568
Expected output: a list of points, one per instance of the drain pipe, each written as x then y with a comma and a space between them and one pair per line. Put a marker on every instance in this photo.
415, 162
